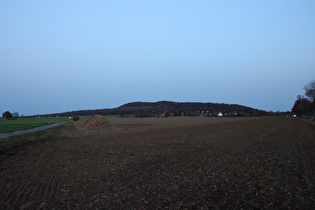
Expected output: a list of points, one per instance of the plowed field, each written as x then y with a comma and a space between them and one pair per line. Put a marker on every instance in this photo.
165, 163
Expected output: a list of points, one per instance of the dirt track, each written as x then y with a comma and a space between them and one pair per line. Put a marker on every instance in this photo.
166, 163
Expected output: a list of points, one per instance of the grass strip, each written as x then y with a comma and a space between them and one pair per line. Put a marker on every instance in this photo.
9, 126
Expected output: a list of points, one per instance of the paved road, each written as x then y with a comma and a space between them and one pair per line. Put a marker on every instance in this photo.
5, 135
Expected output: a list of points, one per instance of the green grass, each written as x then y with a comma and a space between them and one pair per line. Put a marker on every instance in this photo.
8, 126
11, 141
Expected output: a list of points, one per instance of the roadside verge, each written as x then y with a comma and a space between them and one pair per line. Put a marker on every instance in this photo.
5, 135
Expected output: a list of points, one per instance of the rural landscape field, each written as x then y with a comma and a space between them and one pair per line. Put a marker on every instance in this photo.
157, 163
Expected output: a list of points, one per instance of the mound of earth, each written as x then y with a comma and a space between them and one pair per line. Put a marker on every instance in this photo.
96, 122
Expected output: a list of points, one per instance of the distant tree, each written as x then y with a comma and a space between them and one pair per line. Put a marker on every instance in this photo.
15, 114
310, 91
75, 118
306, 106
7, 115
301, 106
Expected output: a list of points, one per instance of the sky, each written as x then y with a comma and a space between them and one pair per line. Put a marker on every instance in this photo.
58, 56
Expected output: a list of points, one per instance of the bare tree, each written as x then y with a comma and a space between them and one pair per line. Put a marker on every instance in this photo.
310, 90
16, 114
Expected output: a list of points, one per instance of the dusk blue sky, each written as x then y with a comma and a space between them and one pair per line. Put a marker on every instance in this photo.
58, 56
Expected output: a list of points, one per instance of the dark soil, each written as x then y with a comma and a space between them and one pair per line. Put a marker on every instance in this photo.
175, 163
96, 122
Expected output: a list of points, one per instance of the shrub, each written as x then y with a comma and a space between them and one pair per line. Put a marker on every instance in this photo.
75, 118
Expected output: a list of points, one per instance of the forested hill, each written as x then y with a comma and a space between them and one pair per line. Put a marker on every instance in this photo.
168, 108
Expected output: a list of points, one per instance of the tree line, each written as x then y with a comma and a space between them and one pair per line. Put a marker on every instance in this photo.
9, 116
305, 104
